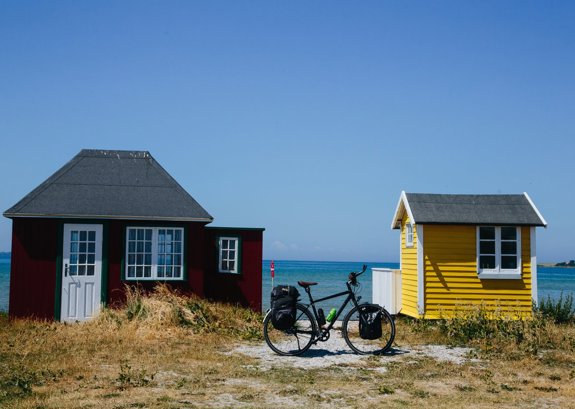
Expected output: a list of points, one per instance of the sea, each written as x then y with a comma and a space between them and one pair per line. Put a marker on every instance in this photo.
332, 276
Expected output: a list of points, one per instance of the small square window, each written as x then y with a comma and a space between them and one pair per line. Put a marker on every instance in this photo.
499, 252
228, 255
409, 235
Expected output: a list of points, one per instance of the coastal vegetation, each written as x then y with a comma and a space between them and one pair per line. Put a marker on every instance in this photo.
170, 351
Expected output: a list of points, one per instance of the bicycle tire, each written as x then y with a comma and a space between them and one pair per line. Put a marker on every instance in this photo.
350, 331
297, 339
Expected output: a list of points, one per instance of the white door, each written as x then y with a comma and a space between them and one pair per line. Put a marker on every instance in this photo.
81, 271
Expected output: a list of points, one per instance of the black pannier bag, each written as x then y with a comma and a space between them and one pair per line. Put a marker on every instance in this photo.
283, 305
370, 323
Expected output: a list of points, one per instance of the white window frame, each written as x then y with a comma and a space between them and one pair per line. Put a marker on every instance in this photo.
498, 272
408, 235
236, 258
155, 255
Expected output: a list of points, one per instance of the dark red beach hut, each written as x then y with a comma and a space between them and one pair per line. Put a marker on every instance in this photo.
110, 218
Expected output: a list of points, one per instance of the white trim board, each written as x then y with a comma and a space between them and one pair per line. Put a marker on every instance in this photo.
534, 289
420, 272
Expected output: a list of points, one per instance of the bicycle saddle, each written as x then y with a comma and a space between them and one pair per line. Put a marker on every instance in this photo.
306, 284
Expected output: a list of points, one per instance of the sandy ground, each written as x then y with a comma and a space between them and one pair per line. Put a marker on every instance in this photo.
335, 351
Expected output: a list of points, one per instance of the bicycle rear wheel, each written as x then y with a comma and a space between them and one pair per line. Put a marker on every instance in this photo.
351, 330
295, 340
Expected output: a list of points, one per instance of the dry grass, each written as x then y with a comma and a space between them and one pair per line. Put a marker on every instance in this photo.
168, 351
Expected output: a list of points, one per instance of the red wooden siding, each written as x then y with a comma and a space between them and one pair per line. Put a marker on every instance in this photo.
244, 288
33, 268
36, 246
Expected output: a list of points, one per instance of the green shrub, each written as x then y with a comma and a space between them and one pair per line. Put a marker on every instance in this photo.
560, 311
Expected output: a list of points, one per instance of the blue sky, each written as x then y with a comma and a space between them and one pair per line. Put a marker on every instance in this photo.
306, 118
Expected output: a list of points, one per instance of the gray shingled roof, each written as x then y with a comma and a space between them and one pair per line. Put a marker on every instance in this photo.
516, 210
111, 184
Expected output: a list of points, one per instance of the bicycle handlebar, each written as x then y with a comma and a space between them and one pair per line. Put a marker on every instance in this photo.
352, 278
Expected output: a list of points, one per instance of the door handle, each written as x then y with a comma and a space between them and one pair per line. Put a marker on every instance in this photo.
65, 270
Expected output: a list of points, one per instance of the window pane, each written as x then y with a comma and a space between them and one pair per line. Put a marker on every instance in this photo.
140, 234
160, 271
147, 272
177, 247
74, 247
132, 259
82, 247
487, 262
178, 260
148, 234
74, 235
487, 247
148, 260
81, 270
73, 270
92, 236
231, 265
178, 235
91, 247
224, 265
131, 234
73, 259
83, 235
168, 271
508, 233
139, 271
91, 259
140, 247
90, 270
82, 259
131, 272
232, 244
508, 247
487, 233
509, 262
131, 247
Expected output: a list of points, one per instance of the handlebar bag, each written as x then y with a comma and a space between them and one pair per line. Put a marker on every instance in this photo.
283, 306
370, 323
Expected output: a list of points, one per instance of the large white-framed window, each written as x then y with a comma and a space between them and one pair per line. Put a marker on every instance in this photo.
408, 235
228, 255
499, 252
154, 253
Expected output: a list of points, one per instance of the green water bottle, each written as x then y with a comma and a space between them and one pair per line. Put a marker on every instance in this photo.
331, 315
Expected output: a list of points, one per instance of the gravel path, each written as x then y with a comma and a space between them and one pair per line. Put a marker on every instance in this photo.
335, 351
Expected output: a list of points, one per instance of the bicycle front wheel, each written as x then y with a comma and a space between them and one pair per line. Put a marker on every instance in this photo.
295, 340
358, 340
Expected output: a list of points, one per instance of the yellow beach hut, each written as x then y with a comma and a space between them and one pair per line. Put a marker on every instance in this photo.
462, 250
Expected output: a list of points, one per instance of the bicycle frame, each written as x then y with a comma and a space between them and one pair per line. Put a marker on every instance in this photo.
350, 297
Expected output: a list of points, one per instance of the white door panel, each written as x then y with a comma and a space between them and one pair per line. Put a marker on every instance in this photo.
81, 271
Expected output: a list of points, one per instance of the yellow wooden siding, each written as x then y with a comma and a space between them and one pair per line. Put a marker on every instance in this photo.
408, 273
451, 282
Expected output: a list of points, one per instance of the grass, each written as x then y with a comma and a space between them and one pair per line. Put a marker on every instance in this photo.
168, 351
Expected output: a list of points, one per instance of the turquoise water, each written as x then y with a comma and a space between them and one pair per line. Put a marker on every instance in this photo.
4, 283
332, 276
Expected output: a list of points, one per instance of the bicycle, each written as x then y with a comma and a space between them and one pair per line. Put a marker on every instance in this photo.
309, 327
